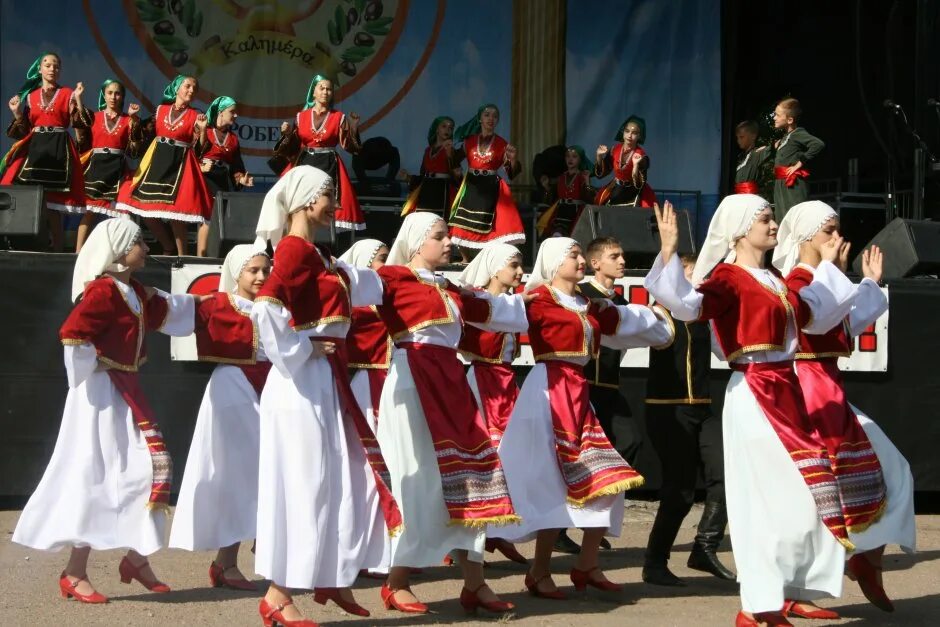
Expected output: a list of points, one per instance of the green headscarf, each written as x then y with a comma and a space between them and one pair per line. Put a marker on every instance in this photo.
313, 83
169, 92
584, 163
432, 132
102, 105
639, 122
217, 106
33, 76
472, 126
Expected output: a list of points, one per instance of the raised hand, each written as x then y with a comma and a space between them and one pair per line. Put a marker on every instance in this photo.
668, 230
248, 180
830, 250
14, 105
285, 126
510, 154
843, 262
601, 151
79, 90
873, 264
201, 122
133, 109
353, 119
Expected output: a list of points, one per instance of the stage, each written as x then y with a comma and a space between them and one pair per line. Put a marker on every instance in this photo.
905, 400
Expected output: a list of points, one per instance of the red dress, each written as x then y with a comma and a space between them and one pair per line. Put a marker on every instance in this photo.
484, 210
224, 156
318, 148
105, 161
46, 154
434, 189
491, 374
626, 188
168, 183
369, 347
571, 193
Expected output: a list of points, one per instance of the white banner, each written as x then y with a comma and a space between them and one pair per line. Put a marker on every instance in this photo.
870, 354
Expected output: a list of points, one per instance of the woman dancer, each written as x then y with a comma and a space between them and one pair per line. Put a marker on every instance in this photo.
560, 467
107, 485
313, 139
219, 153
874, 478
105, 137
218, 501
787, 530
428, 418
434, 188
629, 163
44, 153
319, 462
484, 210
572, 191
498, 270
168, 184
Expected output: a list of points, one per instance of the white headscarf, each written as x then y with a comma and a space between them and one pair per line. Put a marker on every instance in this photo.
111, 240
551, 253
235, 262
490, 260
362, 253
801, 224
414, 230
732, 220
295, 190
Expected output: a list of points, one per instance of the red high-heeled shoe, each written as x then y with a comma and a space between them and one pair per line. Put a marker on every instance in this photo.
322, 595
508, 549
533, 586
866, 574
790, 609
128, 571
582, 579
217, 579
771, 618
388, 598
471, 601
67, 589
271, 616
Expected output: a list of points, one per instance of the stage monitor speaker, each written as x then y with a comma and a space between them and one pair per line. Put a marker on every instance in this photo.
911, 248
636, 229
22, 225
234, 219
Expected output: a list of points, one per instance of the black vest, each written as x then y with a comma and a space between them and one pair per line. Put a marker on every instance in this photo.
679, 373
605, 370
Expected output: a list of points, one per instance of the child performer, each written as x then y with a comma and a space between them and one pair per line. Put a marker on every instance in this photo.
752, 159
794, 151
107, 485
433, 189
44, 153
106, 138
875, 479
219, 153
218, 501
168, 184
572, 191
560, 467
629, 163
312, 140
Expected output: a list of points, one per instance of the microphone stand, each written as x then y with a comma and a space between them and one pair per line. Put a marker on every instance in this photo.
897, 110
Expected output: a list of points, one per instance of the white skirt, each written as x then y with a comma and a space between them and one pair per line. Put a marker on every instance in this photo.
781, 546
360, 389
530, 461
96, 488
409, 453
315, 527
896, 525
218, 499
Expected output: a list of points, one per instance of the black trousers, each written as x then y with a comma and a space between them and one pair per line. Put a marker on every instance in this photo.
608, 403
687, 439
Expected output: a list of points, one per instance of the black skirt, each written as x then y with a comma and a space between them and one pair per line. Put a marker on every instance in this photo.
219, 179
565, 214
103, 175
161, 182
434, 194
477, 208
48, 162
627, 195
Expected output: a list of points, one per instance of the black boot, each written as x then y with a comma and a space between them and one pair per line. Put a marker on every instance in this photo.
711, 531
658, 547
564, 544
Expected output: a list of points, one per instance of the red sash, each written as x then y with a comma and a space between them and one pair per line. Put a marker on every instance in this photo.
780, 173
746, 187
854, 462
377, 377
590, 466
257, 374
777, 391
498, 392
352, 412
128, 385
475, 490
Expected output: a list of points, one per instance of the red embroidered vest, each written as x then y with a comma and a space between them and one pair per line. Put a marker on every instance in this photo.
368, 344
556, 331
224, 333
834, 343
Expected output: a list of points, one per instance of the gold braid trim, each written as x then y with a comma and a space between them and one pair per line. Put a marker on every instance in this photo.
614, 488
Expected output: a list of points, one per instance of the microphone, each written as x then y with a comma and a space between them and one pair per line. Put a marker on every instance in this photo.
890, 104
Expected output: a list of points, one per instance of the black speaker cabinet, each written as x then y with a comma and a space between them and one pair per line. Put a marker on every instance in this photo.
636, 229
911, 248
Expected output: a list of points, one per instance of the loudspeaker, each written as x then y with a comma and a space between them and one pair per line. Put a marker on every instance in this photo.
234, 219
636, 229
22, 225
911, 248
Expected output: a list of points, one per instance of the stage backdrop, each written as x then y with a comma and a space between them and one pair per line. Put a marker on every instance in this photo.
400, 63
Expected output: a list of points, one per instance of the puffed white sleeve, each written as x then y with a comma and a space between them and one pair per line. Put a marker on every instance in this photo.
81, 360
829, 297
870, 304
180, 318
667, 284
506, 314
639, 326
365, 285
284, 347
